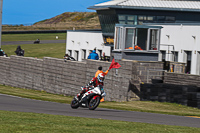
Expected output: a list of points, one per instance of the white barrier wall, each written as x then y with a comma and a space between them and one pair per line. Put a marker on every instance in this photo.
79, 44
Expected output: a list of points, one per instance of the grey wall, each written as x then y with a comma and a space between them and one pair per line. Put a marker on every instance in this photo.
56, 76
177, 88
188, 95
181, 79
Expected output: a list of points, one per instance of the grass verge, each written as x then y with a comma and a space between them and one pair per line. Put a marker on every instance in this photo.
12, 122
142, 106
33, 37
56, 50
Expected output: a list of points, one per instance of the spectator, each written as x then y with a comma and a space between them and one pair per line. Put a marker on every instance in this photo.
100, 71
105, 58
19, 51
67, 57
2, 53
93, 55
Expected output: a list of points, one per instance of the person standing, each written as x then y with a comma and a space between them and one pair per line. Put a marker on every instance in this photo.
2, 53
104, 58
67, 57
93, 55
19, 51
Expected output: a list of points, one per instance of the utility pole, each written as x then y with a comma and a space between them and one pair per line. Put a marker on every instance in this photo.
1, 6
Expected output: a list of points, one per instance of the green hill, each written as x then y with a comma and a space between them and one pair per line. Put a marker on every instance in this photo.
64, 21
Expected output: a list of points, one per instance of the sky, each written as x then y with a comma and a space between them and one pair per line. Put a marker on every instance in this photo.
27, 12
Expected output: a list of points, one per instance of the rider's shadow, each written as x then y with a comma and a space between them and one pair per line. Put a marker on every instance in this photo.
102, 110
107, 110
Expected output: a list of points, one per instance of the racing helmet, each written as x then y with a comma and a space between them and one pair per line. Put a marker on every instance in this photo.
100, 77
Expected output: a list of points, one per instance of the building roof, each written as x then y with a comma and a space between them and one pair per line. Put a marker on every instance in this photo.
178, 5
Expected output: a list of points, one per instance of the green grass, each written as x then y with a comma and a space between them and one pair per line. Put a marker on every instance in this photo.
142, 106
38, 50
33, 37
34, 94
32, 122
14, 122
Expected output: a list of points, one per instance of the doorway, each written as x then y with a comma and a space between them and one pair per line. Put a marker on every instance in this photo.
188, 57
198, 64
76, 55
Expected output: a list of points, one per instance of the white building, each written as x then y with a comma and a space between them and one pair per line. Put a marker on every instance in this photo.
181, 43
81, 43
163, 29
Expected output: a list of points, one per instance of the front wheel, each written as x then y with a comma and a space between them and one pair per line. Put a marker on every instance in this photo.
94, 102
74, 104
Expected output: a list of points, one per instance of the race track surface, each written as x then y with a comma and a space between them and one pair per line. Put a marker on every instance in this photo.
12, 103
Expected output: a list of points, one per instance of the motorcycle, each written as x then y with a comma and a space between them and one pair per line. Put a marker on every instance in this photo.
90, 99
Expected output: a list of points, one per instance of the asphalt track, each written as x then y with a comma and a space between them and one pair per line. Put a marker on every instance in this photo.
12, 103
31, 42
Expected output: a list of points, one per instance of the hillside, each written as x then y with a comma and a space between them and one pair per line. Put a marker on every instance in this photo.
64, 21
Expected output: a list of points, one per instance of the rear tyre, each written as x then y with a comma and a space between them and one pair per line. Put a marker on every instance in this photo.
74, 104
93, 104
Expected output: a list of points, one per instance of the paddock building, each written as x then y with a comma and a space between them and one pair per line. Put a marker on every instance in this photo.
143, 30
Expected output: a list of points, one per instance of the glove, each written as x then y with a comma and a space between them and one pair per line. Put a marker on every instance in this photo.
103, 94
91, 87
82, 87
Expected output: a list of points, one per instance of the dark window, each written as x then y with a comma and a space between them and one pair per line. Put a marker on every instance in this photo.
126, 19
150, 18
155, 19
188, 62
130, 22
76, 55
153, 39
122, 22
170, 18
140, 17
142, 38
70, 52
160, 18
175, 54
122, 17
129, 38
83, 54
163, 53
131, 18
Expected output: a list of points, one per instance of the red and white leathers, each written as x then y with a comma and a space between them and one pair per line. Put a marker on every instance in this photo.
93, 83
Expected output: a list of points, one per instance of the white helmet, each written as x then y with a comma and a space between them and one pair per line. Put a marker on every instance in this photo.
100, 77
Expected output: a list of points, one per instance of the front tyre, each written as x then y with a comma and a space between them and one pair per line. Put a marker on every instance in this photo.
94, 102
74, 104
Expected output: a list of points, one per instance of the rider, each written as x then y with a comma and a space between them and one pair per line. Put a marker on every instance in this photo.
93, 83
100, 71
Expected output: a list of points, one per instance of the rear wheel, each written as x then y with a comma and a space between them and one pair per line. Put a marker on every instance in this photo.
74, 104
93, 104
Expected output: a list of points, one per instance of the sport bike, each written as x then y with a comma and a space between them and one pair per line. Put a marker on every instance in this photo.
90, 99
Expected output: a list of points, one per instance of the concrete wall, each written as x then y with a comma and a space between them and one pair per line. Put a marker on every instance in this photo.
188, 95
177, 88
56, 76
182, 79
